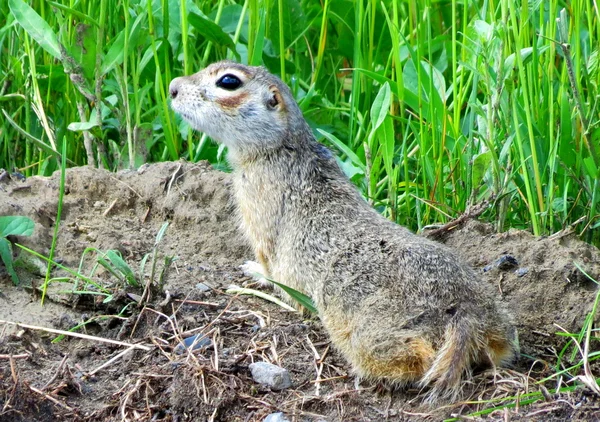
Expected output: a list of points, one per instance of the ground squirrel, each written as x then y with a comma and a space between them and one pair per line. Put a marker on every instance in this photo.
402, 309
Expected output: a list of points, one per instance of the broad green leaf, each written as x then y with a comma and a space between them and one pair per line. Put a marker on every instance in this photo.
342, 15
381, 105
230, 17
385, 135
115, 258
379, 78
559, 205
16, 226
137, 32
80, 126
566, 146
593, 64
483, 29
84, 49
526, 56
349, 169
429, 75
590, 167
272, 62
292, 27
411, 81
481, 164
6, 256
410, 98
12, 97
259, 40
115, 53
109, 267
423, 92
40, 144
211, 31
148, 55
71, 11
36, 27
299, 297
439, 82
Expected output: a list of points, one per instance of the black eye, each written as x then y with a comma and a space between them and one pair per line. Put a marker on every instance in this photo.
229, 82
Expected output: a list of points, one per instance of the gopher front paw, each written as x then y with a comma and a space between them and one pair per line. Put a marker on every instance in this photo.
257, 272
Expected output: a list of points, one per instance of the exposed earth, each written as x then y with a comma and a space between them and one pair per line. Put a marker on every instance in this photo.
160, 380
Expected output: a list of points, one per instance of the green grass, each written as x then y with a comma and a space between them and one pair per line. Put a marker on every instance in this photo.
120, 274
431, 106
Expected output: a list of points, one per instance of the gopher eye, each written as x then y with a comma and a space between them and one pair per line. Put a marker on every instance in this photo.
229, 82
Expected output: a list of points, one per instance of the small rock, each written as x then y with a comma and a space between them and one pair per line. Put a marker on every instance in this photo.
273, 376
194, 342
203, 287
66, 322
505, 262
276, 417
521, 272
142, 169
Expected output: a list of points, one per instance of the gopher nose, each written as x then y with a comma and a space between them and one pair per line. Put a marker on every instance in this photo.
174, 87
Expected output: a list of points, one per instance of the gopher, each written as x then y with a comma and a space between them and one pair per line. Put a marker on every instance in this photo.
402, 309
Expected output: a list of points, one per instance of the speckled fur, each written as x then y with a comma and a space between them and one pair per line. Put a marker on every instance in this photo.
402, 309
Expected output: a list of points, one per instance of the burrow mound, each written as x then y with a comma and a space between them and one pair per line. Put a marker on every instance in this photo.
537, 278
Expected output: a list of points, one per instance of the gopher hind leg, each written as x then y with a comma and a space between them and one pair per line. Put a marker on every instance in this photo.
395, 363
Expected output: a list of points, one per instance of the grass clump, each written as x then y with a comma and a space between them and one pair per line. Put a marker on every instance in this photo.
119, 277
432, 106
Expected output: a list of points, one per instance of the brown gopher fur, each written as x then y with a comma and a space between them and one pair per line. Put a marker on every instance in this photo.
401, 308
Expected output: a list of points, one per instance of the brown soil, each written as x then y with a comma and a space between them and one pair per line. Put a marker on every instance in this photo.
75, 379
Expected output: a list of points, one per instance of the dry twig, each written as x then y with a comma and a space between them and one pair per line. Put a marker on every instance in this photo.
78, 335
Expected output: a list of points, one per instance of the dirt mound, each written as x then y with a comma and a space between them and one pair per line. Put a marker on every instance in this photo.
76, 379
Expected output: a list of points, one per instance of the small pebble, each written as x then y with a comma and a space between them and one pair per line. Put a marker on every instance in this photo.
521, 272
195, 342
276, 417
142, 169
505, 262
273, 376
18, 176
203, 287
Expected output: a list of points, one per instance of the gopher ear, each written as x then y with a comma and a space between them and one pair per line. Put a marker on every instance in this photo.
275, 99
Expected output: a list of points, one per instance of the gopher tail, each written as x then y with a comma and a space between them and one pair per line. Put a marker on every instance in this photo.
461, 346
